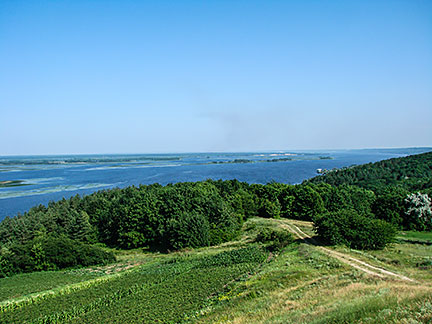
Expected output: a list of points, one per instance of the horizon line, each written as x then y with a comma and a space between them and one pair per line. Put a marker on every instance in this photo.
218, 152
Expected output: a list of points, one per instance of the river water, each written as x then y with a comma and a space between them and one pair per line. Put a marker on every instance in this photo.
45, 178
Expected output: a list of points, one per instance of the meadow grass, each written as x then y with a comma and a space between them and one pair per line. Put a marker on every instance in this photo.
425, 237
222, 284
29, 283
303, 285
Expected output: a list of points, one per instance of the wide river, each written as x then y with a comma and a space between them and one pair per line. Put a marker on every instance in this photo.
40, 179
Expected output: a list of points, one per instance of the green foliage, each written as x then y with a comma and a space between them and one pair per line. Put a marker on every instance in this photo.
307, 203
357, 198
269, 209
243, 255
164, 218
29, 283
189, 215
390, 206
275, 238
419, 212
413, 173
349, 228
187, 230
169, 292
6, 268
333, 198
50, 253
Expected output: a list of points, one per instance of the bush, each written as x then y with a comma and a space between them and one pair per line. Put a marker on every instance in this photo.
349, 228
307, 203
276, 239
187, 230
6, 268
390, 205
51, 253
269, 209
419, 213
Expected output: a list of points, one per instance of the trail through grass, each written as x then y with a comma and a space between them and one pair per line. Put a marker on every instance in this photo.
237, 282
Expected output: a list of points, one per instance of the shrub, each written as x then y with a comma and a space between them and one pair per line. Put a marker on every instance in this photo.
276, 239
187, 230
269, 209
6, 268
349, 228
307, 203
419, 213
51, 253
390, 205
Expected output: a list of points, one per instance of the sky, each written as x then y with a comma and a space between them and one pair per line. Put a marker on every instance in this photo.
217, 75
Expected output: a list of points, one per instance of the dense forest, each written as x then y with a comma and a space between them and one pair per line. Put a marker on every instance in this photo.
195, 214
412, 173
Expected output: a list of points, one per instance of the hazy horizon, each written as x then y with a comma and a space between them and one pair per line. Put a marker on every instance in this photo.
419, 148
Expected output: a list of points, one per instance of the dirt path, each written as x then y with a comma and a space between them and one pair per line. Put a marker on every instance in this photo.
345, 258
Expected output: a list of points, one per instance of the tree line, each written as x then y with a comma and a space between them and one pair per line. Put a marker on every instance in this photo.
197, 214
413, 173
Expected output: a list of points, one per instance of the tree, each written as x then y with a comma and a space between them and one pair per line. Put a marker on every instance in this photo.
390, 206
269, 209
307, 203
419, 213
357, 231
187, 230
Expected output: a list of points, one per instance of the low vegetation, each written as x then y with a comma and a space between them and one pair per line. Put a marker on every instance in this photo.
12, 183
225, 252
207, 213
50, 253
239, 282
168, 290
346, 227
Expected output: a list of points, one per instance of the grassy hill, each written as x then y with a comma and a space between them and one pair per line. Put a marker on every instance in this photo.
243, 268
236, 282
412, 173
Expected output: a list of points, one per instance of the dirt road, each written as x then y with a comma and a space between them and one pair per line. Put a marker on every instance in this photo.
345, 258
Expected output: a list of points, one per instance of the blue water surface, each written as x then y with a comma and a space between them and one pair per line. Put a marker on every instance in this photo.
56, 177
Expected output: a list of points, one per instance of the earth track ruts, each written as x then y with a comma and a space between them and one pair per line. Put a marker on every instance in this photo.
345, 258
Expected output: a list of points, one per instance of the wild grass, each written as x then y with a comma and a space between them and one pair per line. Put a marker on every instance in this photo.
420, 237
25, 284
299, 284
302, 285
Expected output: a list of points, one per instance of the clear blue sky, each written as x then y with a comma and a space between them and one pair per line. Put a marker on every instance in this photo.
175, 76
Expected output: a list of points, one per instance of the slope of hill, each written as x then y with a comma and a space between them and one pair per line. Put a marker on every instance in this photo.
258, 274
412, 173
236, 282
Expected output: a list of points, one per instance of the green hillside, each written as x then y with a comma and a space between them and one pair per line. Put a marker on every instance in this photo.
228, 252
412, 173
238, 282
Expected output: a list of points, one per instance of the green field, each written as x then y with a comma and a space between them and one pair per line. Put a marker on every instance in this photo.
420, 237
170, 288
236, 282
29, 283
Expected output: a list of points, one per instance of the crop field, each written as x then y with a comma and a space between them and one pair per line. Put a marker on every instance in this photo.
237, 282
168, 290
29, 283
